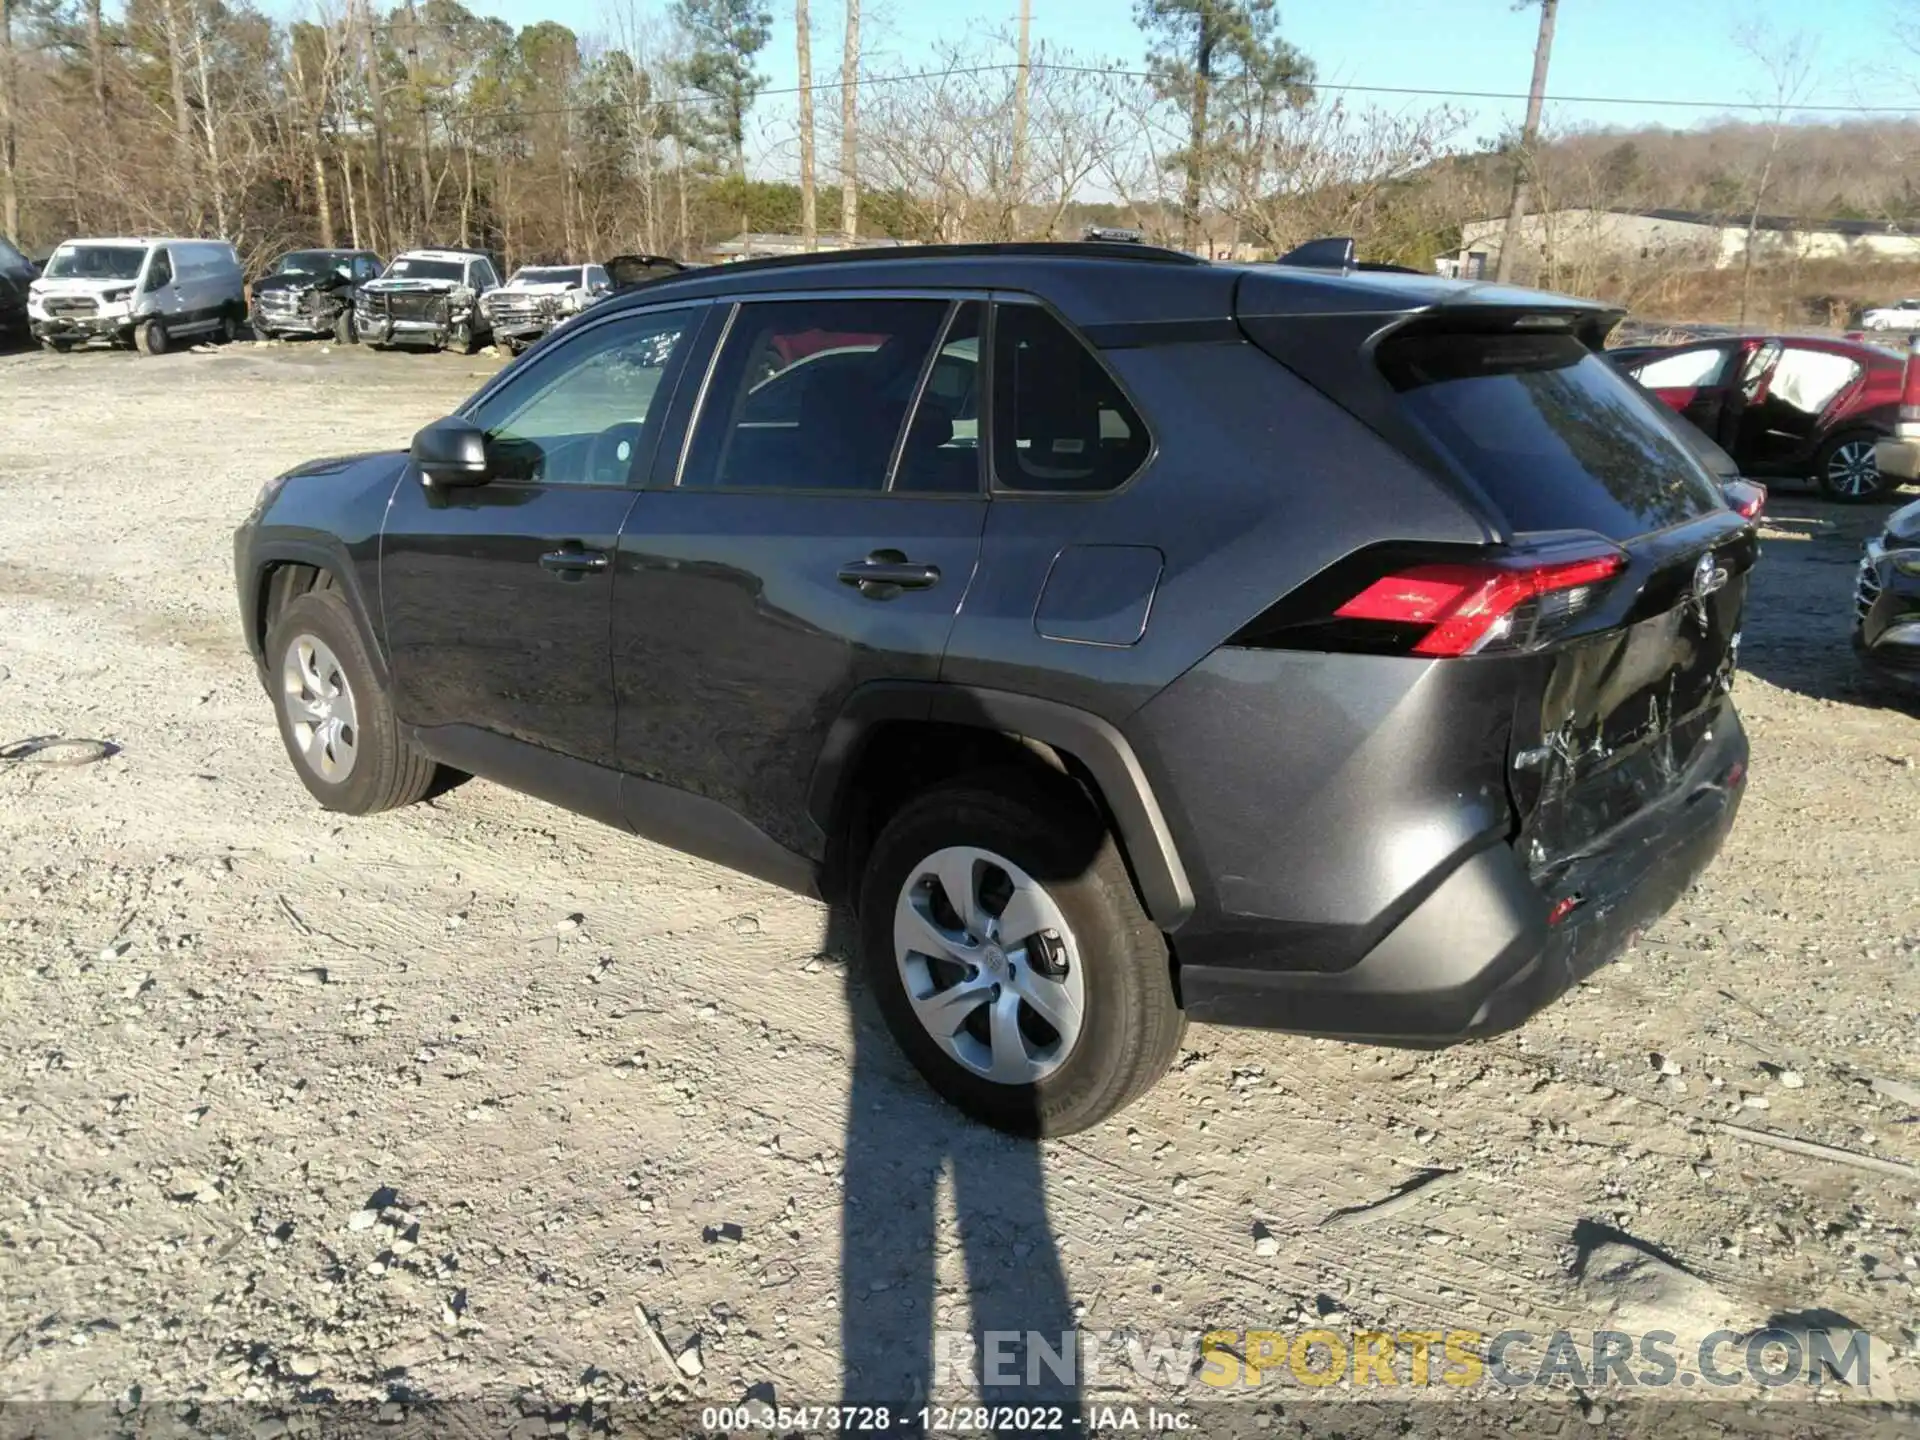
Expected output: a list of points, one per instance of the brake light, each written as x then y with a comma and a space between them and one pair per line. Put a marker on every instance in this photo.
1469, 606
1745, 497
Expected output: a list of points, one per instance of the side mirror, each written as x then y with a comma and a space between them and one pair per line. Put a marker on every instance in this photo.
451, 453
1744, 497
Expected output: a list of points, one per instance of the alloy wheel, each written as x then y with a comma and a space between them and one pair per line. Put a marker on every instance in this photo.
1853, 470
320, 708
990, 966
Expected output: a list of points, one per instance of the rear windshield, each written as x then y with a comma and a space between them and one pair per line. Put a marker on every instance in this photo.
1550, 431
547, 275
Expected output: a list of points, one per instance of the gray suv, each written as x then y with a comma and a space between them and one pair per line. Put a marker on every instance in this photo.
1125, 638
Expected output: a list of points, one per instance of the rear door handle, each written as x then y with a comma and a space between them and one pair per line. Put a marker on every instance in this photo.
574, 561
885, 573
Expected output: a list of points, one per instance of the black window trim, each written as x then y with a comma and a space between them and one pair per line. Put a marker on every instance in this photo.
954, 297
998, 491
671, 374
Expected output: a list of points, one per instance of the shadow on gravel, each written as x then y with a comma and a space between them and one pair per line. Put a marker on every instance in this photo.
900, 1339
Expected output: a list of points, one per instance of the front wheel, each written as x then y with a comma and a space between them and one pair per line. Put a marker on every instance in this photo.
336, 719
345, 332
150, 338
1011, 957
1848, 469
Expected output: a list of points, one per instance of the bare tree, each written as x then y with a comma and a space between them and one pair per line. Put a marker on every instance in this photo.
849, 126
9, 160
803, 40
1788, 63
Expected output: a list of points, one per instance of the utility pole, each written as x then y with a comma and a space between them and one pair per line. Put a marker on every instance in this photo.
809, 216
1529, 138
1017, 178
849, 126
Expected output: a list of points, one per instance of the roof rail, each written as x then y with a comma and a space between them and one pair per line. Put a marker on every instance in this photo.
1029, 249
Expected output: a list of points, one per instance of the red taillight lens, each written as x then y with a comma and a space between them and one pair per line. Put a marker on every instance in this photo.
1746, 497
1469, 606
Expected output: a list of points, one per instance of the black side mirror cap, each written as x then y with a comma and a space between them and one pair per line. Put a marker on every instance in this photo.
450, 453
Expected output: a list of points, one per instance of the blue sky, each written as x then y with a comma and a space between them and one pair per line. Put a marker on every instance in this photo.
1649, 49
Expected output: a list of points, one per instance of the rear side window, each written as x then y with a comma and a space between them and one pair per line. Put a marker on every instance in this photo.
1059, 420
811, 394
1556, 438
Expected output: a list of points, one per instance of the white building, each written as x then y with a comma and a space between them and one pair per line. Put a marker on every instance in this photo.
1675, 236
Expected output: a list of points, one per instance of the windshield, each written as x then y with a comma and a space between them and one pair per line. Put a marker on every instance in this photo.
413, 268
309, 262
547, 275
96, 262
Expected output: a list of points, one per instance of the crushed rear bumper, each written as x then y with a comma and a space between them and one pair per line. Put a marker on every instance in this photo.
1478, 955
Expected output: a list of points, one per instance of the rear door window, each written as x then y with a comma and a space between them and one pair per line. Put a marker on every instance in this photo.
1060, 422
1809, 380
1553, 434
811, 394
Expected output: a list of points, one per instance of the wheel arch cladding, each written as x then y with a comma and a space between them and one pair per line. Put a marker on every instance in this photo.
1085, 746
282, 576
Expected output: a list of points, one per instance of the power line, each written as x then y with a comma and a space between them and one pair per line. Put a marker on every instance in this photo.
1325, 87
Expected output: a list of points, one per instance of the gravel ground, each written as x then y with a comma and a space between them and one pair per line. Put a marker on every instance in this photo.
479, 1098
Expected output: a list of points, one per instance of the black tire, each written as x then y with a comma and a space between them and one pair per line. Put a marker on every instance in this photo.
1132, 1023
1839, 472
58, 347
226, 331
344, 330
387, 771
150, 337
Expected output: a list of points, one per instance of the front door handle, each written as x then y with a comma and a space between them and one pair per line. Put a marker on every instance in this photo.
573, 561
885, 573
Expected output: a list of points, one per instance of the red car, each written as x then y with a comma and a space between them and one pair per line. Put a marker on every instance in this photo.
1783, 404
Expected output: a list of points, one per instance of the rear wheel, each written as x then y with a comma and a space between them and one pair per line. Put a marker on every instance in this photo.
150, 338
1847, 468
225, 332
336, 720
1011, 957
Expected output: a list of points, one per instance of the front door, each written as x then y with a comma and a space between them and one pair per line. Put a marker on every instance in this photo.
1694, 381
496, 598
813, 538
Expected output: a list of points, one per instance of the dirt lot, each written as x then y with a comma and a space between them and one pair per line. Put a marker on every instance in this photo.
594, 1088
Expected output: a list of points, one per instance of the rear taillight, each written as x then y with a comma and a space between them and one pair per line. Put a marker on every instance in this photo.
1745, 498
1467, 607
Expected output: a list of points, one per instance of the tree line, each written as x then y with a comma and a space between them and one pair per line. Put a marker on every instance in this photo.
388, 123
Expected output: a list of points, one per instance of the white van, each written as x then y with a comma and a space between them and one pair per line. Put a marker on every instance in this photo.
145, 291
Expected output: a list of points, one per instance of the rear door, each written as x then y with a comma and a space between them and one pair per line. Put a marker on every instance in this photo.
817, 530
1786, 418
1623, 679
